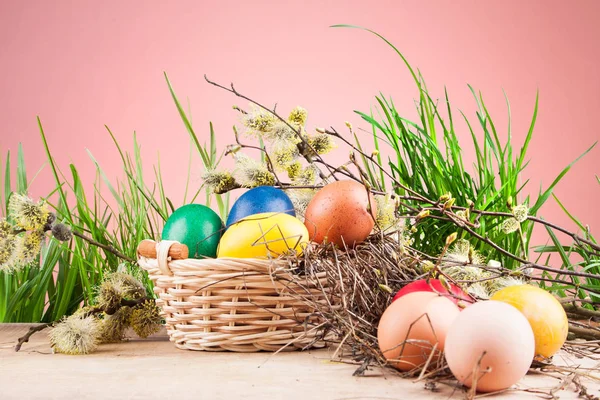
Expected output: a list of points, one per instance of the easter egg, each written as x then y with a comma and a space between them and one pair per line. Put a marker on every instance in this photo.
492, 342
265, 235
543, 311
455, 294
339, 214
260, 200
414, 327
196, 226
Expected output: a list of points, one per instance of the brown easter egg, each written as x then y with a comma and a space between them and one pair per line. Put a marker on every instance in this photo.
339, 214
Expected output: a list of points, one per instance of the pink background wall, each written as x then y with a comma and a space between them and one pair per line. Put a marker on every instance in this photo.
82, 64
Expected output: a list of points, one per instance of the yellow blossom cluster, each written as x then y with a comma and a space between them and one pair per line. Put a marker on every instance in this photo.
289, 149
22, 235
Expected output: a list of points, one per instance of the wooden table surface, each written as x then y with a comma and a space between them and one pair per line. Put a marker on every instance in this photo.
155, 369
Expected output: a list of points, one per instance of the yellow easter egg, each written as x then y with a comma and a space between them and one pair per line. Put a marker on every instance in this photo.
265, 235
545, 314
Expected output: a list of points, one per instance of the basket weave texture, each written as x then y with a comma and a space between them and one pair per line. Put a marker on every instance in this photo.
236, 304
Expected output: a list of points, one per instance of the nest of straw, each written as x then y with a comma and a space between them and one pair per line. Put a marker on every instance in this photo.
360, 284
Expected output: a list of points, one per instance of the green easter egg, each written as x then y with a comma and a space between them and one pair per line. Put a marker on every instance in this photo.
196, 226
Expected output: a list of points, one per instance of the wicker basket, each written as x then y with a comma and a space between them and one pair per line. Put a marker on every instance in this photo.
236, 304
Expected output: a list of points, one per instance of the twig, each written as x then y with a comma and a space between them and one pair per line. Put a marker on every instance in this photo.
577, 300
542, 221
108, 248
416, 195
584, 312
584, 333
25, 338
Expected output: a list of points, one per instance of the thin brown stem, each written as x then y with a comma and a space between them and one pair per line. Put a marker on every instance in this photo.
25, 338
584, 333
580, 311
542, 221
334, 133
106, 247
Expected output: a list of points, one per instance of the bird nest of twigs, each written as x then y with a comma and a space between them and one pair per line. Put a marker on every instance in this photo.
360, 285
361, 281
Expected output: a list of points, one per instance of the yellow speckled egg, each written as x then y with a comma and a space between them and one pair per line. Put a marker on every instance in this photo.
265, 235
546, 316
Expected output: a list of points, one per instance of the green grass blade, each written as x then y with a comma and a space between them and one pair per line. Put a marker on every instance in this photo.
544, 196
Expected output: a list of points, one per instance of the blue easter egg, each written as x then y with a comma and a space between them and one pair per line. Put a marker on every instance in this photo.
261, 199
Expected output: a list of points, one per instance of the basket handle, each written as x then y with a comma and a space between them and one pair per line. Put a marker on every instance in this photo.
164, 251
162, 255
147, 248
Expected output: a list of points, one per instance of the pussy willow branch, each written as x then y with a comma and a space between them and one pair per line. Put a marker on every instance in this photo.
571, 308
503, 271
584, 333
91, 241
92, 311
574, 300
525, 262
274, 113
280, 184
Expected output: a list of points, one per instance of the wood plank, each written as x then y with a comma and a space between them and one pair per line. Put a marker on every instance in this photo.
149, 369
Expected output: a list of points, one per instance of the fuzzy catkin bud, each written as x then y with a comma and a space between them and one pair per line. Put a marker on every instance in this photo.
259, 121
75, 335
27, 214
109, 297
113, 326
62, 232
427, 266
445, 197
385, 288
127, 285
448, 204
464, 214
510, 225
49, 222
321, 143
27, 248
7, 247
6, 228
145, 319
298, 116
521, 212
